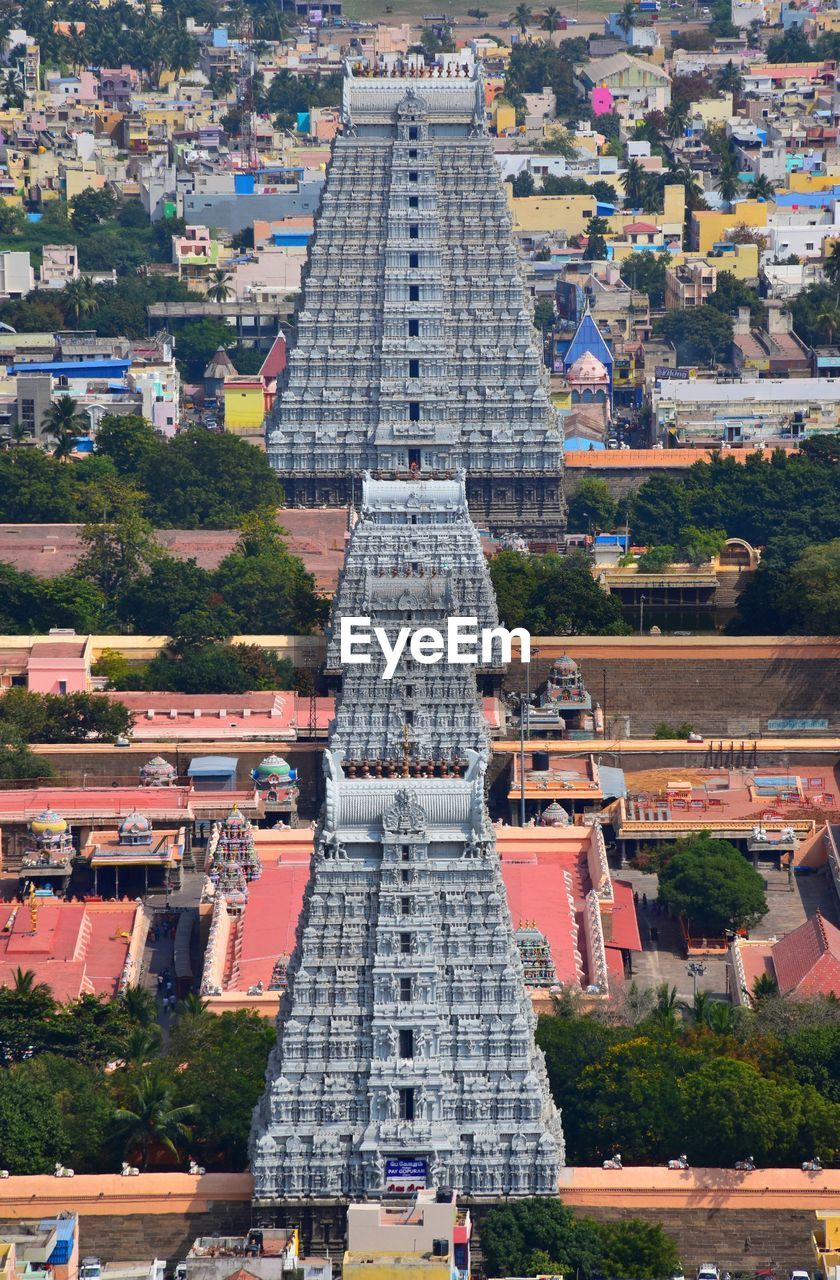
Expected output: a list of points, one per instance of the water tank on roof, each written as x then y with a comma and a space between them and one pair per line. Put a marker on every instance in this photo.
540, 761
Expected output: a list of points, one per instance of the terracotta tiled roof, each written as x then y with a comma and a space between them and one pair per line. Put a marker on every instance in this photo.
807, 961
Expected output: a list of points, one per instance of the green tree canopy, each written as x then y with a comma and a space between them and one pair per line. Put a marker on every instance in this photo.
592, 507
712, 885
553, 595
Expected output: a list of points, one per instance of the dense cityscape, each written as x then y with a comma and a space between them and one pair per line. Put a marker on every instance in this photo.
419, 640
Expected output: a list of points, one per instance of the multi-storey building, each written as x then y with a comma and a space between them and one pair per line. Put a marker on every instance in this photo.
415, 350
406, 1036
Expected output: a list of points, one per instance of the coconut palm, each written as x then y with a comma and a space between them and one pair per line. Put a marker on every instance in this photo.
720, 1018
827, 323
80, 298
24, 983
626, 20
219, 289
665, 1011
634, 184
729, 79
832, 269
142, 1046
761, 188
139, 1005
11, 89
551, 20
763, 988
64, 424
676, 118
522, 17
727, 184
149, 1122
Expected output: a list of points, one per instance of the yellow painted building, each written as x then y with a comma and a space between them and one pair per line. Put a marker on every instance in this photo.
544, 215
244, 404
713, 110
708, 226
826, 1241
387, 1266
806, 182
504, 117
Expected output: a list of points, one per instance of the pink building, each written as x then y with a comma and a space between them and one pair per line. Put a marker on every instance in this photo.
602, 100
59, 666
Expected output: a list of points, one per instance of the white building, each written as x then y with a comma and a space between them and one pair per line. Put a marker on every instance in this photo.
17, 278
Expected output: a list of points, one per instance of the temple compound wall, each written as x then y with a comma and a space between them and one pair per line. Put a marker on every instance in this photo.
405, 1042
416, 352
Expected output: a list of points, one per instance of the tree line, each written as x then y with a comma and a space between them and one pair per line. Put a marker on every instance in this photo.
786, 504
635, 1077
196, 480
62, 1100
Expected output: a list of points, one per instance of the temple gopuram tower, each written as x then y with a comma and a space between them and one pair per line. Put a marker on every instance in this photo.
416, 352
405, 1041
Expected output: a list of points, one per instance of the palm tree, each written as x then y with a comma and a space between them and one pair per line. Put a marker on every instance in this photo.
142, 1046
720, 1018
665, 1010
627, 18
700, 1008
194, 1008
24, 983
676, 118
150, 1122
832, 269
11, 89
219, 289
551, 21
222, 84
827, 323
729, 79
64, 424
139, 1005
762, 188
727, 184
634, 184
522, 17
764, 987
80, 298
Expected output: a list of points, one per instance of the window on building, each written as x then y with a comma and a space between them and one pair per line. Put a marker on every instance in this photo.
412, 153
405, 944
406, 1042
414, 231
405, 874
405, 989
414, 293
414, 368
414, 328
414, 410
405, 906
414, 260
412, 175
413, 133
62, 686
413, 202
406, 1104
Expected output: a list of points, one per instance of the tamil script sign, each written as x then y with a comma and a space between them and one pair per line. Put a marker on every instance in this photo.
780, 726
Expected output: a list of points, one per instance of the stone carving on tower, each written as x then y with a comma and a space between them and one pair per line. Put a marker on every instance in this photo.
405, 1032
415, 351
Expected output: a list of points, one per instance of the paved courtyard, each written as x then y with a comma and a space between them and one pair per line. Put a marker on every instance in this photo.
662, 959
